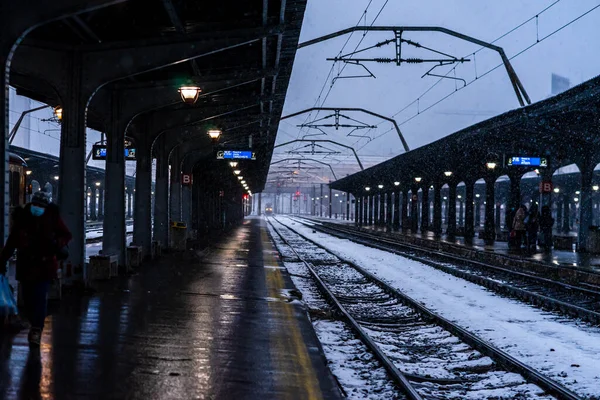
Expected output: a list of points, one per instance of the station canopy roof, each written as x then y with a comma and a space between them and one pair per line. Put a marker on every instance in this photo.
251, 78
564, 129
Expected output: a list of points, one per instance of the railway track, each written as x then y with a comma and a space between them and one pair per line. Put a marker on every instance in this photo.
98, 239
427, 356
567, 299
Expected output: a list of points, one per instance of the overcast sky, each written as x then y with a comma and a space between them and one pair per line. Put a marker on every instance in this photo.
572, 53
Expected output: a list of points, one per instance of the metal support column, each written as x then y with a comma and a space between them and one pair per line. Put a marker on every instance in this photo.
357, 211
489, 229
405, 222
5, 53
396, 224
371, 202
175, 186
348, 206
585, 205
498, 216
566, 227
186, 206
259, 212
437, 210
414, 211
100, 204
72, 166
425, 209
451, 229
93, 198
469, 212
142, 221
365, 206
388, 217
321, 202
129, 201
330, 203
114, 238
376, 203
381, 209
161, 202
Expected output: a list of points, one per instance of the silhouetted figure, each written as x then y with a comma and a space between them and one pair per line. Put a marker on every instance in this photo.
40, 237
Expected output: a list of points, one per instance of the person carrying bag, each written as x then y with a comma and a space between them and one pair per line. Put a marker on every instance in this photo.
40, 237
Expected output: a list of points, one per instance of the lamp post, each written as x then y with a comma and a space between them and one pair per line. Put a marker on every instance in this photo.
189, 94
58, 113
214, 134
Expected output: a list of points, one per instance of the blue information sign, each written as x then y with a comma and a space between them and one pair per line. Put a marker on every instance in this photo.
527, 162
236, 155
99, 152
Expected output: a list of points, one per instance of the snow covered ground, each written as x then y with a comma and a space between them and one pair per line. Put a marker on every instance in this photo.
96, 233
564, 350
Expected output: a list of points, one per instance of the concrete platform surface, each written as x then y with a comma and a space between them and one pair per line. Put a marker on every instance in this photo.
224, 327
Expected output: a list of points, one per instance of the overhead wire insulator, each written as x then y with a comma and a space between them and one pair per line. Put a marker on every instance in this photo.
413, 60
380, 44
383, 60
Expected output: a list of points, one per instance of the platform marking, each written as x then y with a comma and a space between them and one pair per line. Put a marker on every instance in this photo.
294, 344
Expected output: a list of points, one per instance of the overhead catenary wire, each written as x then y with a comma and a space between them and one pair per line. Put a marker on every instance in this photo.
353, 52
331, 70
537, 41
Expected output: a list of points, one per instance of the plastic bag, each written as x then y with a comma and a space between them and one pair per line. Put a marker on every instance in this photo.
8, 303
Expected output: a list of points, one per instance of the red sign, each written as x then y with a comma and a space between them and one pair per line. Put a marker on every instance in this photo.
186, 179
546, 187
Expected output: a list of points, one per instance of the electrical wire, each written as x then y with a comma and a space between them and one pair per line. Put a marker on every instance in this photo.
538, 40
475, 52
316, 104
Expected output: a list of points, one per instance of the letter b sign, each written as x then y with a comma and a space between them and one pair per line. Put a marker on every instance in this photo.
546, 187
186, 179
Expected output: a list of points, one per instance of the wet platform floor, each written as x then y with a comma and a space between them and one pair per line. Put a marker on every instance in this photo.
224, 327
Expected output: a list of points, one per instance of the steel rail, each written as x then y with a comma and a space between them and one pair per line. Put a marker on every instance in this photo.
501, 357
541, 300
388, 364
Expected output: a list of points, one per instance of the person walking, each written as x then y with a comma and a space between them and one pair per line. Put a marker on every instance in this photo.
546, 224
40, 237
519, 225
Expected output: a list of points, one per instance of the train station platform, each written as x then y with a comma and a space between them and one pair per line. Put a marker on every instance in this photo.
221, 323
573, 261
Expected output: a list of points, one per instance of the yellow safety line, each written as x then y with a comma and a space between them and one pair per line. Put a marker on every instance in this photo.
293, 344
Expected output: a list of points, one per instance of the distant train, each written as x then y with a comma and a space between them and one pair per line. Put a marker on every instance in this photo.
269, 209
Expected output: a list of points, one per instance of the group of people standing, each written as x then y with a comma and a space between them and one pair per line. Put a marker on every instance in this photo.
530, 228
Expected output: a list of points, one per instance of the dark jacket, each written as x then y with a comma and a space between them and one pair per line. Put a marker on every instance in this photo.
37, 241
532, 224
546, 222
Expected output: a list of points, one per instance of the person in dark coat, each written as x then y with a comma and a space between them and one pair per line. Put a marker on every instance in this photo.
546, 224
39, 236
532, 226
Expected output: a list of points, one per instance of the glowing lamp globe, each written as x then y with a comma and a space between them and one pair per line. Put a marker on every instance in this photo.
189, 94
